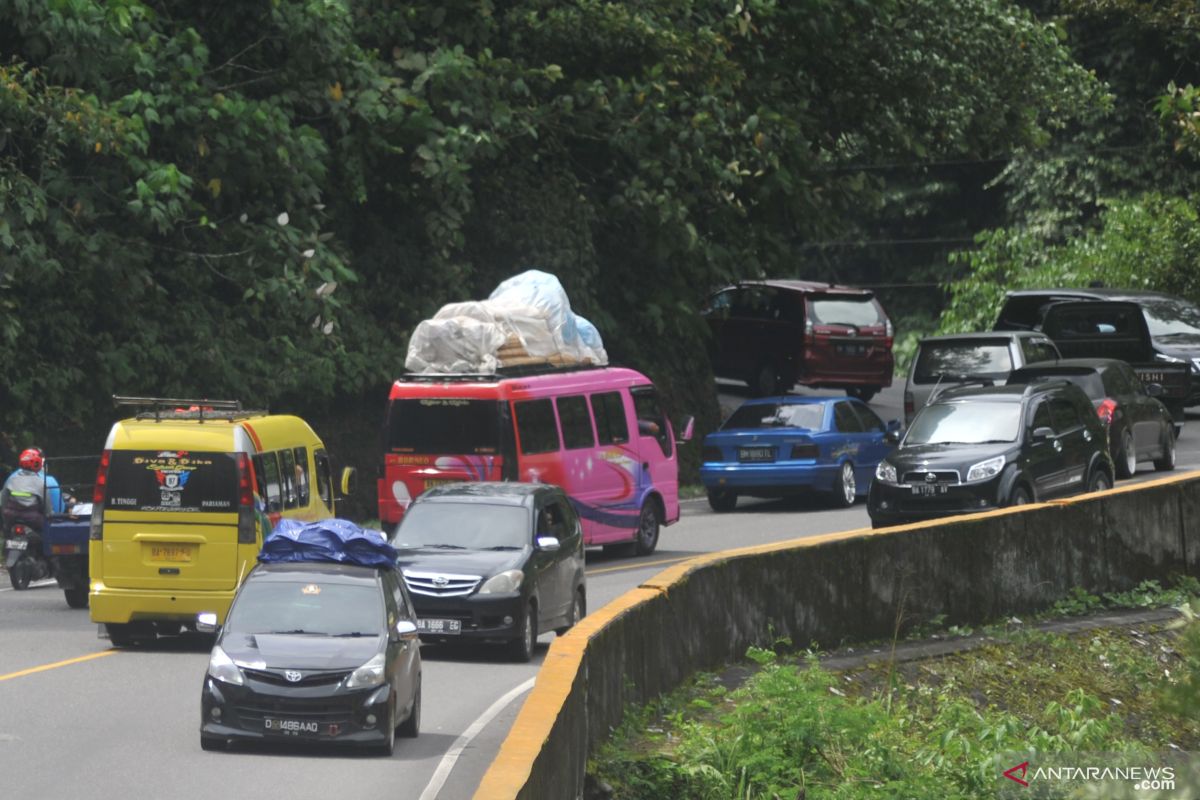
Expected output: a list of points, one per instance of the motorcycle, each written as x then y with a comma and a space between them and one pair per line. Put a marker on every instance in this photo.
24, 557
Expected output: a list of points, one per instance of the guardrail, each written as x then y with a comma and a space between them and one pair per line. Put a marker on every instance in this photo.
705, 612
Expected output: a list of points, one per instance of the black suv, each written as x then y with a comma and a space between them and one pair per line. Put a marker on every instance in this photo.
978, 448
493, 561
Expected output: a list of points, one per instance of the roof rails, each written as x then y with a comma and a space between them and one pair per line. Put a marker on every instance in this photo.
525, 370
160, 408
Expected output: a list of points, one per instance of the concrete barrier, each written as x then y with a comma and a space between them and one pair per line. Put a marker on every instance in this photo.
851, 586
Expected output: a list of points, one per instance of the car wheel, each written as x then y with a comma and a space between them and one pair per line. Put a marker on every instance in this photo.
864, 393
578, 611
1126, 456
722, 500
211, 743
120, 635
647, 533
412, 724
766, 380
1019, 497
76, 598
845, 489
1166, 462
19, 575
521, 648
1100, 481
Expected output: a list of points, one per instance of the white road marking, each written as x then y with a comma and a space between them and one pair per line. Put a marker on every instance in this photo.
447, 763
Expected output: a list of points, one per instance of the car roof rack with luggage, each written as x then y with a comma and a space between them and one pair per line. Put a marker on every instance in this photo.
176, 408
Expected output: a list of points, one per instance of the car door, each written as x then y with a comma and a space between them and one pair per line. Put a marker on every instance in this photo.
1141, 410
1044, 459
850, 441
874, 446
403, 656
1076, 440
550, 567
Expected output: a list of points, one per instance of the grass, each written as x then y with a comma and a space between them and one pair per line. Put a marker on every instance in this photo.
936, 727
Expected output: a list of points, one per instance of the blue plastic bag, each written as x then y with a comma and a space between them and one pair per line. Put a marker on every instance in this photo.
335, 540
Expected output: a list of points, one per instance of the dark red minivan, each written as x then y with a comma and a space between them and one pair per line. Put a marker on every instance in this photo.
775, 334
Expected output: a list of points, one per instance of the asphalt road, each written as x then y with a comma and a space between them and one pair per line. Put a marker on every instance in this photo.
78, 719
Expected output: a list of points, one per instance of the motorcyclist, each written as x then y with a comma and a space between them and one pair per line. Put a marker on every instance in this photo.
29, 494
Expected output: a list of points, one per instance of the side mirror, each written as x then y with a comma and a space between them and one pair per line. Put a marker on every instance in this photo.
689, 430
206, 622
1042, 434
406, 630
548, 544
1154, 389
892, 437
349, 481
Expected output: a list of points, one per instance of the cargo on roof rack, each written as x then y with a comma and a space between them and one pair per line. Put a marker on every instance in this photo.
500, 373
160, 408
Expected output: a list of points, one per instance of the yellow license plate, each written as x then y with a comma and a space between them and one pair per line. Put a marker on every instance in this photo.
170, 552
432, 482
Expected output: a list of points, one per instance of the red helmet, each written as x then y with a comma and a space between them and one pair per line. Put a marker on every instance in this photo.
31, 459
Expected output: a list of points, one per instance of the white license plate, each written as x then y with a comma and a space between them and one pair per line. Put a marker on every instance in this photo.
756, 454
439, 626
16, 544
928, 489
291, 727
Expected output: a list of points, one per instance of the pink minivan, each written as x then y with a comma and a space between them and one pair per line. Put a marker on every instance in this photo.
599, 433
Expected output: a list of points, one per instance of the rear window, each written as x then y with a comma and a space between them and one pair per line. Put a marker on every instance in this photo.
1089, 381
857, 311
451, 425
952, 360
774, 415
170, 480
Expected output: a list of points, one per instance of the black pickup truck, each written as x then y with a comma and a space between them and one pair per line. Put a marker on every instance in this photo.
1087, 324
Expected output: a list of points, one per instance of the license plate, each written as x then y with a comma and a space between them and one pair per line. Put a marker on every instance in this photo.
291, 727
65, 549
756, 454
432, 482
439, 626
16, 544
166, 552
929, 489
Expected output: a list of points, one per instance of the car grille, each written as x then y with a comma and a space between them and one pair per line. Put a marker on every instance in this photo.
436, 584
921, 476
255, 710
277, 678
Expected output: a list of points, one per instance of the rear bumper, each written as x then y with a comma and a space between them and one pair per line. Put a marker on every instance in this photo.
773, 478
134, 605
894, 505
482, 616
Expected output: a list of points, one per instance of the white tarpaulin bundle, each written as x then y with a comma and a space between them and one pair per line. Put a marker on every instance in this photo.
527, 320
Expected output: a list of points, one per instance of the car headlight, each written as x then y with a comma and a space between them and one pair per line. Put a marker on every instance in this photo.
885, 473
507, 581
1168, 359
221, 667
1196, 366
985, 469
369, 674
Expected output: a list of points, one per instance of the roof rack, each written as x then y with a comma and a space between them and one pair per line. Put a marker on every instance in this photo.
522, 371
160, 408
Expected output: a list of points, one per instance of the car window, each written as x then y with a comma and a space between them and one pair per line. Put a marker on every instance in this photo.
1087, 380
576, 422
845, 420
971, 422
1131, 379
651, 421
1064, 414
977, 358
752, 302
324, 476
287, 477
609, 411
471, 526
720, 303
1114, 381
536, 427
1037, 350
267, 467
1171, 317
551, 521
775, 415
301, 458
1041, 416
157, 480
846, 310
870, 420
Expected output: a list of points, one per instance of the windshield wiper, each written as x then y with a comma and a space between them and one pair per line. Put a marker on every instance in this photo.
352, 633
503, 547
445, 546
297, 631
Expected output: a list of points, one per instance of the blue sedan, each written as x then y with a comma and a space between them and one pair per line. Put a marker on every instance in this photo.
789, 446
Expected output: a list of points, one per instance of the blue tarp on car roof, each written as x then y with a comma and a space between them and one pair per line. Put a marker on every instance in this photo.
336, 540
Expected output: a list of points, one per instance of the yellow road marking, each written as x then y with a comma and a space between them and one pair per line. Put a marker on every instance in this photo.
57, 664
641, 564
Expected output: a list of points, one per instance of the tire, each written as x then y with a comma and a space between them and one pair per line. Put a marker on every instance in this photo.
1126, 456
648, 529
120, 635
766, 382
20, 574
722, 500
521, 648
1099, 482
845, 488
1166, 462
1019, 497
76, 598
578, 611
389, 726
211, 743
412, 723
864, 393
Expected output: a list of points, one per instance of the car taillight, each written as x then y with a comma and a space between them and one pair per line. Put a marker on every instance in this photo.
712, 454
809, 333
246, 532
889, 330
805, 451
95, 525
1106, 410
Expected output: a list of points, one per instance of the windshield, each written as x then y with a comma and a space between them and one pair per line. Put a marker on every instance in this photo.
965, 423
967, 359
1169, 317
855, 311
774, 415
169, 480
470, 526
316, 607
444, 426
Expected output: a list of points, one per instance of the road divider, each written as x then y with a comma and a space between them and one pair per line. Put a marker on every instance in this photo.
850, 586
